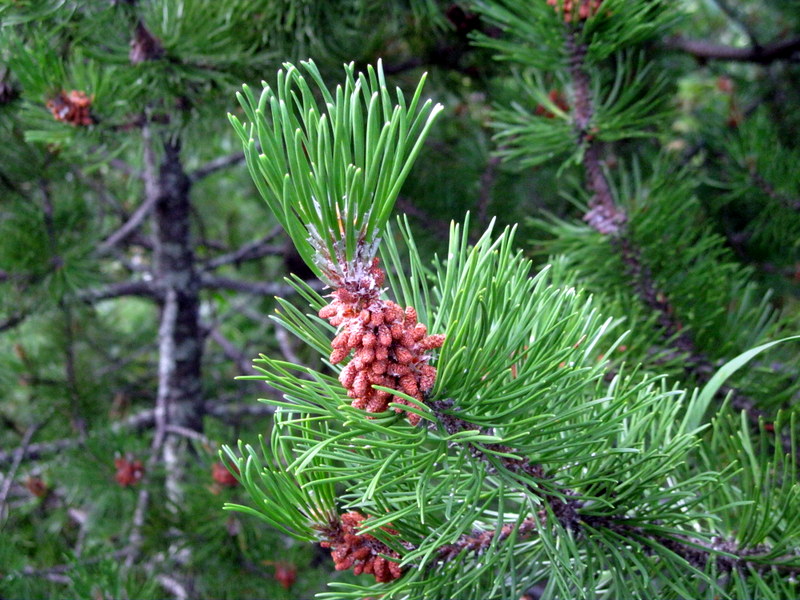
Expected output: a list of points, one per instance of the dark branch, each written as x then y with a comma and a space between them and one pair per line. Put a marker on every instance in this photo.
604, 215
131, 225
702, 49
265, 288
249, 251
145, 289
12, 321
215, 165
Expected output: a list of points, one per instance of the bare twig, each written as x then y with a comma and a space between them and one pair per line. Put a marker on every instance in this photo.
265, 288
778, 50
285, 344
173, 586
249, 251
146, 289
234, 411
19, 453
232, 351
36, 451
121, 165
166, 367
215, 165
131, 225
191, 434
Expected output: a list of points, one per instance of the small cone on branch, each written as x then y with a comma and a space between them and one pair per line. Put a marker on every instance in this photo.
129, 472
361, 552
72, 108
223, 476
285, 574
37, 486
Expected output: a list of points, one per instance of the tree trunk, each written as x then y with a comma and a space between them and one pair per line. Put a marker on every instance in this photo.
180, 391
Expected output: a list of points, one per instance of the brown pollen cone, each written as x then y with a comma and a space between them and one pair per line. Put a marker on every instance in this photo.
389, 347
72, 107
129, 472
361, 552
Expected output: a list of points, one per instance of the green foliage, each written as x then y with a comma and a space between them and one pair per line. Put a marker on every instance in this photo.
536, 388
332, 176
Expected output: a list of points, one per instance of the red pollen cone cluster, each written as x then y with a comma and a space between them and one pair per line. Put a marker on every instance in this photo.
129, 472
350, 549
223, 476
71, 108
389, 345
576, 10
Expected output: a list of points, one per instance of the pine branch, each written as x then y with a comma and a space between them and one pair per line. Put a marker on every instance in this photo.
566, 508
786, 49
608, 219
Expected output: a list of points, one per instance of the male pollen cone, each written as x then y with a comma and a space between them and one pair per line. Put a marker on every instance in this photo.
389, 347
